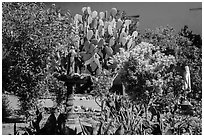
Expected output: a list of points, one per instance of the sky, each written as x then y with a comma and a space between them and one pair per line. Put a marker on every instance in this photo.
152, 14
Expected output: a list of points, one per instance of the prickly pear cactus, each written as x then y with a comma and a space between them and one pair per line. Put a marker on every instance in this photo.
99, 36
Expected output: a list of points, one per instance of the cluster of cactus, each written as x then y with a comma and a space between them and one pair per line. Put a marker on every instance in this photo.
98, 36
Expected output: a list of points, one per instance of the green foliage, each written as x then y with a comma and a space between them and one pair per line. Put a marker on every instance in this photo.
191, 54
168, 43
39, 42
102, 83
145, 71
170, 54
194, 38
31, 35
184, 46
152, 72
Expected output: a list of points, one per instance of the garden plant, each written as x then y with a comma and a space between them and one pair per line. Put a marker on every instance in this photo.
47, 51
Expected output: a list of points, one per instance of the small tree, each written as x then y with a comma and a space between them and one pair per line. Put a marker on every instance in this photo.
31, 35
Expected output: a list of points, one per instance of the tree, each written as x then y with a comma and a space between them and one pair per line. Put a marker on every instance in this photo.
30, 36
